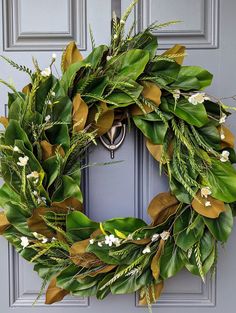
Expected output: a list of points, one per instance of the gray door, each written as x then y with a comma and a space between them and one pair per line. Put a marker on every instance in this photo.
32, 27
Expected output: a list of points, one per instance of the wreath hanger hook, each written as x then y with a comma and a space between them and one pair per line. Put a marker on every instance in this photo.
114, 138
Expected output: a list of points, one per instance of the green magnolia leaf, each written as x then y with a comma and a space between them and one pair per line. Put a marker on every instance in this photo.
8, 194
211, 135
62, 110
15, 109
69, 75
66, 279
164, 71
68, 188
180, 192
59, 134
52, 168
14, 132
192, 77
79, 226
17, 216
103, 253
130, 284
129, 65
185, 236
221, 178
193, 114
154, 131
42, 93
170, 262
96, 56
222, 226
101, 294
125, 225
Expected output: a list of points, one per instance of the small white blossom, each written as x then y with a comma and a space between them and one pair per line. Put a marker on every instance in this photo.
91, 241
100, 244
130, 237
224, 156
33, 174
43, 199
138, 238
222, 135
24, 242
146, 250
46, 72
109, 57
35, 193
155, 237
122, 22
16, 149
207, 203
54, 56
176, 94
223, 118
53, 94
53, 239
23, 161
199, 97
47, 118
37, 235
205, 192
115, 36
44, 240
111, 239
165, 235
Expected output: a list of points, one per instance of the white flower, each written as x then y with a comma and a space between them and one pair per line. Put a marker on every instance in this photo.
207, 203
24, 242
53, 239
16, 149
44, 240
54, 56
199, 97
146, 250
138, 238
46, 72
23, 161
47, 118
33, 174
49, 102
205, 192
37, 235
100, 244
155, 237
43, 199
223, 118
111, 239
122, 22
165, 235
176, 94
109, 57
115, 36
91, 241
35, 193
222, 135
224, 156
53, 94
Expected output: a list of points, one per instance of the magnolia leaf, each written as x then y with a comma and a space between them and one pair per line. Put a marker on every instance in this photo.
126, 225
54, 293
152, 92
4, 121
157, 150
79, 114
68, 188
154, 293
155, 264
14, 132
4, 223
221, 178
221, 227
69, 204
212, 211
177, 52
170, 262
49, 150
105, 119
162, 207
27, 89
229, 139
71, 55
164, 71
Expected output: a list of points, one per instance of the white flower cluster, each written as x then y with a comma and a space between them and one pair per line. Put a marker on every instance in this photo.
224, 157
198, 98
164, 236
25, 240
205, 192
109, 240
39, 199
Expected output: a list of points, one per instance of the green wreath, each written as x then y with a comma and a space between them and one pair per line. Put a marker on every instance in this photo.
49, 128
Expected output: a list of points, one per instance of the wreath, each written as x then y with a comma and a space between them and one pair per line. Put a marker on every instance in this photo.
51, 124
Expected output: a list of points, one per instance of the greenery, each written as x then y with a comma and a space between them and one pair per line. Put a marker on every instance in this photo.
50, 125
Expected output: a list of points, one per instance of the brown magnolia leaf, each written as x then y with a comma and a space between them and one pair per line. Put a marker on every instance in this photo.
154, 293
49, 150
37, 224
102, 270
54, 293
152, 92
71, 55
105, 120
155, 264
82, 258
156, 151
4, 121
228, 141
79, 113
4, 223
212, 211
141, 241
27, 89
176, 50
69, 203
162, 207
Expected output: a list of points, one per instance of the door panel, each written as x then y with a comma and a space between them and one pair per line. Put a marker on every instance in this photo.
38, 28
